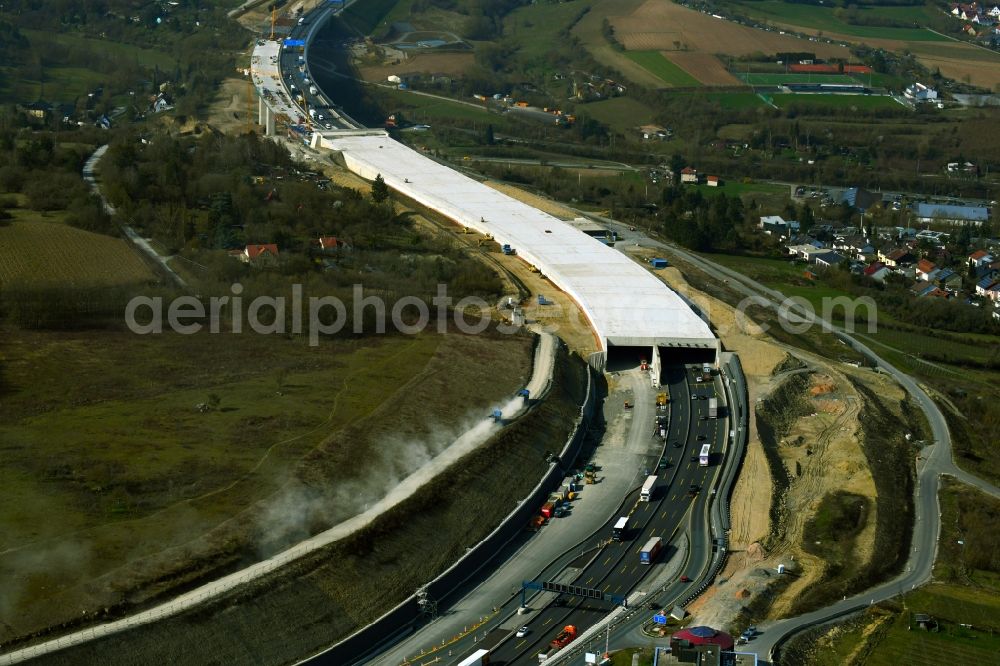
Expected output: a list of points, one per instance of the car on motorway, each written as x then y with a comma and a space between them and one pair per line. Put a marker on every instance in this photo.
522, 632
701, 438
694, 396
703, 417
693, 489
664, 463
694, 457
559, 601
685, 579
677, 445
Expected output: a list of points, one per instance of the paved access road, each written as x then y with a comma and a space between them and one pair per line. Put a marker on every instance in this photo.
616, 569
937, 458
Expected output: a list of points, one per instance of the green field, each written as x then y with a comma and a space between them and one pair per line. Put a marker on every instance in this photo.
755, 79
424, 108
619, 112
534, 29
825, 19
860, 102
735, 188
655, 63
735, 101
124, 52
67, 82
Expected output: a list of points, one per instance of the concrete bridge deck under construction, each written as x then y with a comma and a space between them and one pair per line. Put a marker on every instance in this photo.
625, 303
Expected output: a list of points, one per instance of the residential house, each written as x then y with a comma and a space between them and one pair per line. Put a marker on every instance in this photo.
989, 287
827, 259
948, 279
856, 246
980, 258
877, 271
896, 258
38, 110
774, 225
654, 132
328, 243
962, 167
805, 251
918, 92
713, 181
689, 175
926, 270
159, 103
921, 289
260, 254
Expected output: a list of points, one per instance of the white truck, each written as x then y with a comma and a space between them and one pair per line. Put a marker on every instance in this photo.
312, 113
313, 90
713, 408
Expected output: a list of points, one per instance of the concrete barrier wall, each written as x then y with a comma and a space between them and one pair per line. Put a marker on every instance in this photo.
401, 620
737, 419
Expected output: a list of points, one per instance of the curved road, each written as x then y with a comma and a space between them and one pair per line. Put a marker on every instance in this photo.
937, 458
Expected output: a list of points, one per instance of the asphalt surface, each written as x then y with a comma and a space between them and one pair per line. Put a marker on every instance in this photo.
936, 459
615, 568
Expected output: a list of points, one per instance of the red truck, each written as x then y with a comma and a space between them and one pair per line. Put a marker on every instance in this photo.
564, 638
547, 509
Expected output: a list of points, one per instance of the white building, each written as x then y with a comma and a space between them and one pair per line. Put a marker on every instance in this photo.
918, 92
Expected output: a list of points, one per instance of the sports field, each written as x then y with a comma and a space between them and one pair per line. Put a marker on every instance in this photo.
655, 63
779, 79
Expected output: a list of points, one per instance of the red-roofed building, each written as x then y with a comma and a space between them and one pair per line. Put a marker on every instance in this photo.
328, 243
689, 175
265, 253
926, 270
980, 258
877, 271
713, 181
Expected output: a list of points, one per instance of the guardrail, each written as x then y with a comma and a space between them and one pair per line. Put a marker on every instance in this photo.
402, 620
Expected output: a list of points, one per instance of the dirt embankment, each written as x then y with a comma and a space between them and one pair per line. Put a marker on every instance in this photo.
818, 434
329, 594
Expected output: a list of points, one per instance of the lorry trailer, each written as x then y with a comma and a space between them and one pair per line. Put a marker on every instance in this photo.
650, 550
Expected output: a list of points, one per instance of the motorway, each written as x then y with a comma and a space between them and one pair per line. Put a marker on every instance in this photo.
615, 568
937, 457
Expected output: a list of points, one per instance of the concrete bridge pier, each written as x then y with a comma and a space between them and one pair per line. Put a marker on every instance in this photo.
265, 117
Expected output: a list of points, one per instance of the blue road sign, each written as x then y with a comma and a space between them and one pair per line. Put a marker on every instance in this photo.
660, 618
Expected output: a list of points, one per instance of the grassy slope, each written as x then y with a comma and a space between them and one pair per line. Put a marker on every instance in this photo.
67, 83
356, 580
866, 102
884, 637
131, 468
